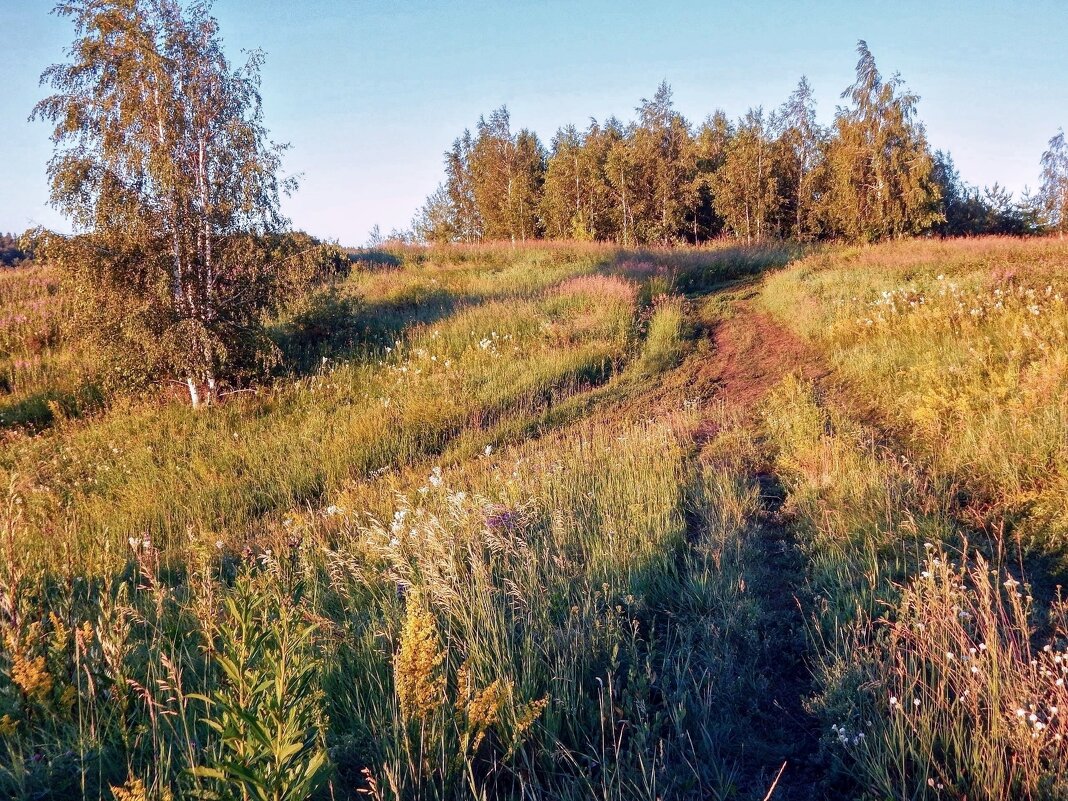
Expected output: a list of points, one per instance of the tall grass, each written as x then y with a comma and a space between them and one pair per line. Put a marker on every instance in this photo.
933, 681
297, 585
961, 349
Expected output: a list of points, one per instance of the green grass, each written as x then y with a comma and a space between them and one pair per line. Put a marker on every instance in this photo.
492, 530
555, 594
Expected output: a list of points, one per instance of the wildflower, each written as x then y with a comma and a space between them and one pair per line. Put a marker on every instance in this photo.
915, 701
8, 725
419, 685
530, 713
483, 709
67, 698
132, 790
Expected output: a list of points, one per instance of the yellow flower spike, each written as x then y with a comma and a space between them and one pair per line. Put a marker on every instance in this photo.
67, 698
484, 710
463, 687
132, 790
8, 726
60, 633
31, 676
530, 713
420, 687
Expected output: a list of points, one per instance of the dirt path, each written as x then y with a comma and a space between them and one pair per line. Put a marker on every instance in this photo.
752, 353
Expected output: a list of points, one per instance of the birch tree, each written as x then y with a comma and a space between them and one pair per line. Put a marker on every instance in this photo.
1053, 191
163, 165
746, 187
880, 170
801, 139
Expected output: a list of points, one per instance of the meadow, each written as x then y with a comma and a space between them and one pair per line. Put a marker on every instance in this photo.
556, 521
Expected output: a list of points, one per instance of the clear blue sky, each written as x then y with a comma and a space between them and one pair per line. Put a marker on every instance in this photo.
370, 93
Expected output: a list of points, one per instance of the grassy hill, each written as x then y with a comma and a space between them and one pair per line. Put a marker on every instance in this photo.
564, 521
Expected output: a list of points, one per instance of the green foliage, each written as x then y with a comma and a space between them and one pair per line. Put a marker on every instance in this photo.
746, 187
166, 171
879, 168
660, 180
266, 711
665, 339
12, 252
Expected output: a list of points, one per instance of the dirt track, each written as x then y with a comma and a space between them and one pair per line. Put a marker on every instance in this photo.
753, 353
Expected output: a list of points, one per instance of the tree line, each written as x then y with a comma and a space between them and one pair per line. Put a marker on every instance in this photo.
10, 251
658, 179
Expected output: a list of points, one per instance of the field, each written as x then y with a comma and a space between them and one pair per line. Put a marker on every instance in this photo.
557, 521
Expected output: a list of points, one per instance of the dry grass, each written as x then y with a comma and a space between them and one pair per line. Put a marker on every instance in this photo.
962, 349
528, 617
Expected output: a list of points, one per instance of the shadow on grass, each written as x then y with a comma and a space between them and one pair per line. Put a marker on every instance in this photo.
39, 411
340, 325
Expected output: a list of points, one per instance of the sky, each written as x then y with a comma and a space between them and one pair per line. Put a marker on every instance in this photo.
370, 93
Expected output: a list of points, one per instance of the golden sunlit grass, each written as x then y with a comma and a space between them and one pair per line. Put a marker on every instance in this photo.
486, 534
490, 611
962, 348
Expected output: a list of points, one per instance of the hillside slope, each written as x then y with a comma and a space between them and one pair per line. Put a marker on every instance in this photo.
566, 522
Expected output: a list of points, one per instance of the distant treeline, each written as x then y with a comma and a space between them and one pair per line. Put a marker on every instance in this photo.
659, 180
10, 252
